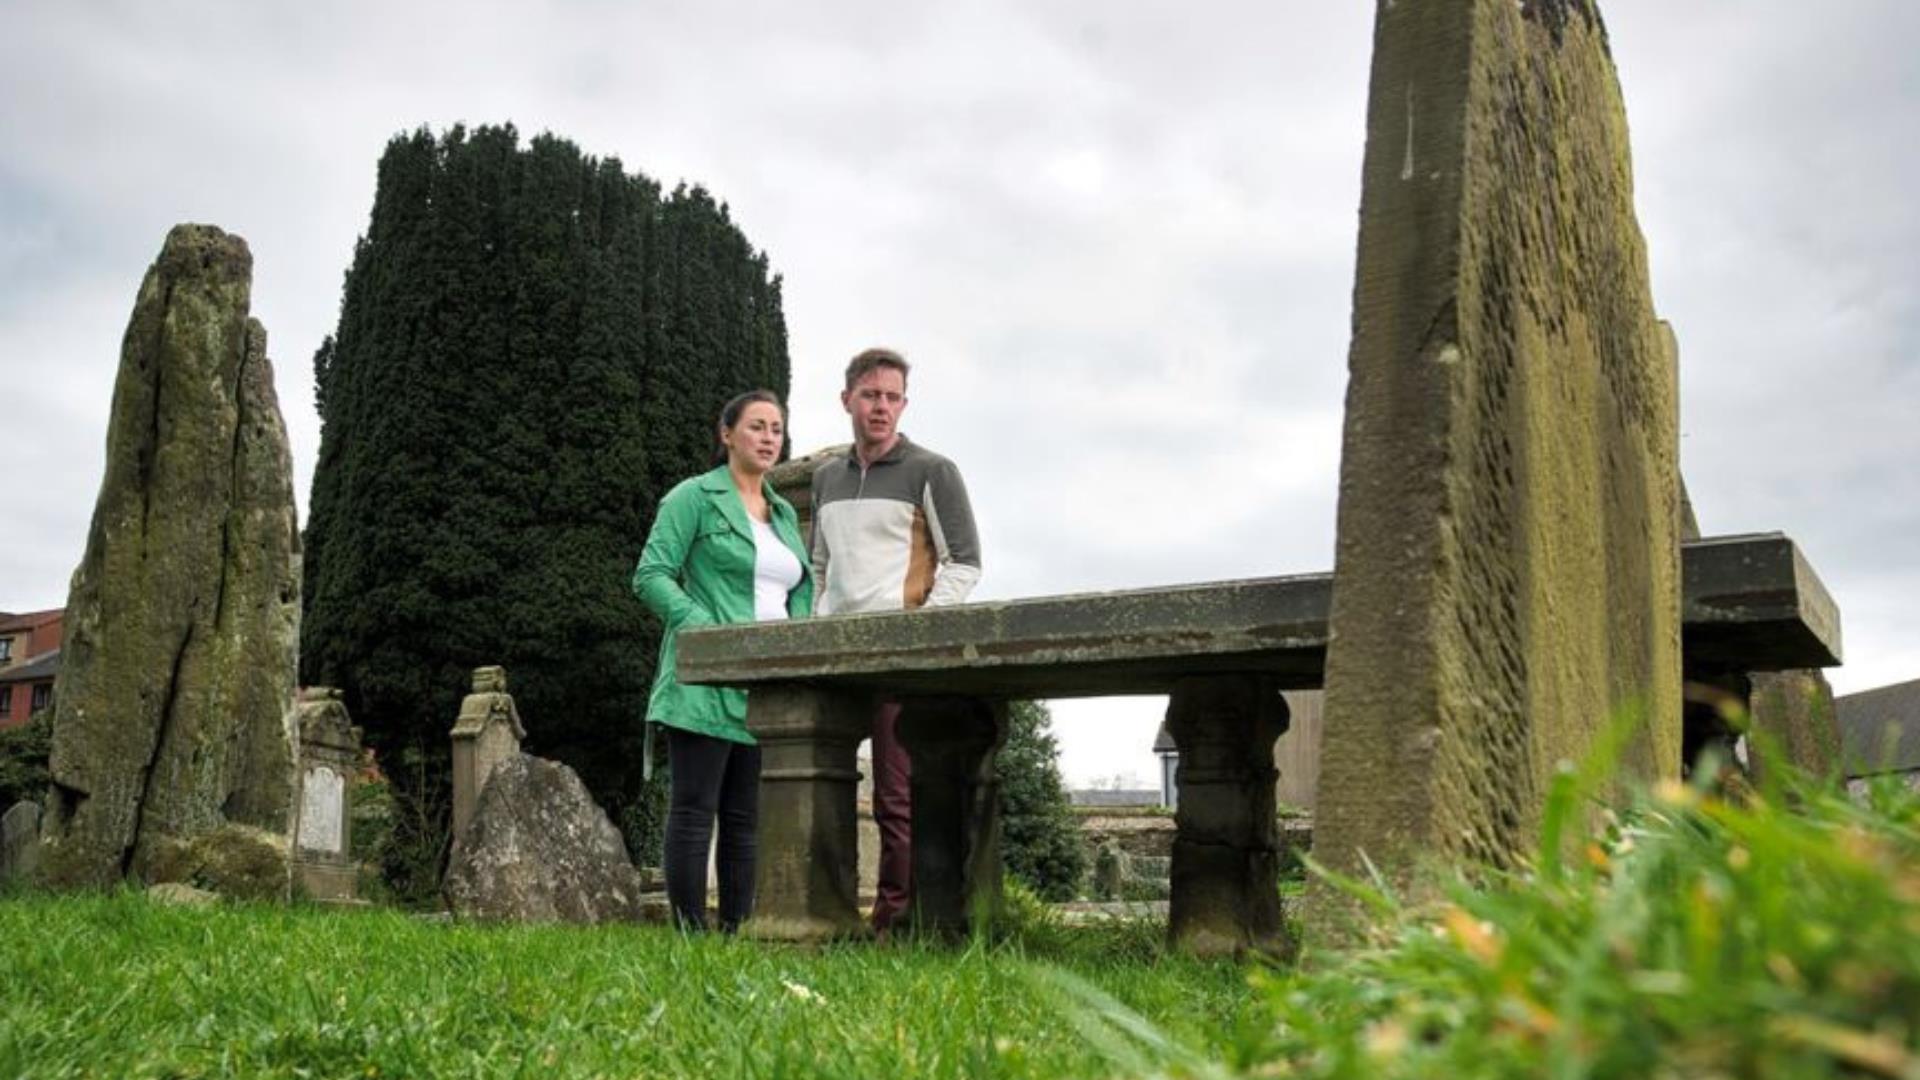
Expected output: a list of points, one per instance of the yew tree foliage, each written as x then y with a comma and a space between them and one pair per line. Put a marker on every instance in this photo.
1039, 835
533, 347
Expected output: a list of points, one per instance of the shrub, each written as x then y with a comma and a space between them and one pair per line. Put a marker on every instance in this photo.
23, 759
1040, 839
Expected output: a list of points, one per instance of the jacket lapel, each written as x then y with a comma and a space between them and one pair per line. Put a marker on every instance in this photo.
718, 485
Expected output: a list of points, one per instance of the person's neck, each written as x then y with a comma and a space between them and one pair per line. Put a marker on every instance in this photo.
746, 482
870, 454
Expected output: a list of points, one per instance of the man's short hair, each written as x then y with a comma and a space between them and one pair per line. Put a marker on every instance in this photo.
873, 359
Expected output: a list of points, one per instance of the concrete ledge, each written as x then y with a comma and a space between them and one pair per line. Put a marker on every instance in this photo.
1749, 603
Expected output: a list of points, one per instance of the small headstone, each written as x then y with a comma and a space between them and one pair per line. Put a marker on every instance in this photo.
19, 841
486, 734
323, 808
539, 849
178, 667
324, 867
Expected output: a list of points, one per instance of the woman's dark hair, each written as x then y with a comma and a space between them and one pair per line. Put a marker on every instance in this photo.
730, 416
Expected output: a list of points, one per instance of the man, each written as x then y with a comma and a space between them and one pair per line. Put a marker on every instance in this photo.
892, 529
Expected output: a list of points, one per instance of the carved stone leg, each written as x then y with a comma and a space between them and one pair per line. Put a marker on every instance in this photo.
956, 809
805, 883
1226, 848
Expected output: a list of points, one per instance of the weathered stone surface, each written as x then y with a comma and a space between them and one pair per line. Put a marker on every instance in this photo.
956, 810
235, 861
19, 842
1507, 575
804, 887
486, 735
323, 863
177, 672
1793, 723
1226, 857
1752, 601
539, 849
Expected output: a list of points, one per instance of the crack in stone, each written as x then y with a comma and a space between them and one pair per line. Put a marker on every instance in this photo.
159, 743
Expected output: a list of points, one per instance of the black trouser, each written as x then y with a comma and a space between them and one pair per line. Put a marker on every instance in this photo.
711, 777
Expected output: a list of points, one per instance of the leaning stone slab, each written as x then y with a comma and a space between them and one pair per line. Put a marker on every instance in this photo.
540, 850
1507, 576
177, 673
19, 842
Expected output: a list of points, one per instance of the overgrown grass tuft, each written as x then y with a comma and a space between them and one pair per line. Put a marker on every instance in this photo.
1772, 936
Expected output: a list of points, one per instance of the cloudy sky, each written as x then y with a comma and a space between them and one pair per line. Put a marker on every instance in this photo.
1116, 239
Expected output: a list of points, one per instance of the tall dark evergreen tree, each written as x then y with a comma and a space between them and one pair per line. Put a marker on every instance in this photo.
1040, 839
533, 345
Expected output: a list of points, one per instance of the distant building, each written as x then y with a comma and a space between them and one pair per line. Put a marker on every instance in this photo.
1880, 733
29, 659
1115, 797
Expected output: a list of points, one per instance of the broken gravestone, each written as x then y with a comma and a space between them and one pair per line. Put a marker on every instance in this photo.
1507, 570
539, 849
177, 674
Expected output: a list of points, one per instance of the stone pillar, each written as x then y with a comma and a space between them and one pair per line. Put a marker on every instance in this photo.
323, 863
487, 733
805, 888
1507, 565
178, 661
1226, 850
956, 809
1793, 723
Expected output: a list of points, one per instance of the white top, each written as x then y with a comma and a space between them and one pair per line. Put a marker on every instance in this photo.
775, 572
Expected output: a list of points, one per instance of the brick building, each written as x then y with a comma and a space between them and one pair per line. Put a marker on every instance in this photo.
29, 659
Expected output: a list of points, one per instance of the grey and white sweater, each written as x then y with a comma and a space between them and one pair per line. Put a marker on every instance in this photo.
897, 534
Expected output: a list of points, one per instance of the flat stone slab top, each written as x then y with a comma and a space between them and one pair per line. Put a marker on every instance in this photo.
1754, 603
1748, 602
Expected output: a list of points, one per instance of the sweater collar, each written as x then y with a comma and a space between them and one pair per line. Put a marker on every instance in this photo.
893, 455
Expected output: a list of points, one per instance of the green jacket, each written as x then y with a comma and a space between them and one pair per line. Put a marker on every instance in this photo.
697, 570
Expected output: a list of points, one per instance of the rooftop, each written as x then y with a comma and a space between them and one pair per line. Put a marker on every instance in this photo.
1880, 729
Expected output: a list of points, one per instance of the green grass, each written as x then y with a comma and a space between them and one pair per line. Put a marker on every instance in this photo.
1697, 938
1775, 936
118, 986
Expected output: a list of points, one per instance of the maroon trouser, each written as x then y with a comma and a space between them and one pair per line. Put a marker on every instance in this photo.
893, 813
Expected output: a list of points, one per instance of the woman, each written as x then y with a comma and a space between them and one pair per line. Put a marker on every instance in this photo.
725, 548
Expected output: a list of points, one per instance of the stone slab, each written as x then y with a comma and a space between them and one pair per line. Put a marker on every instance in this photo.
1752, 601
